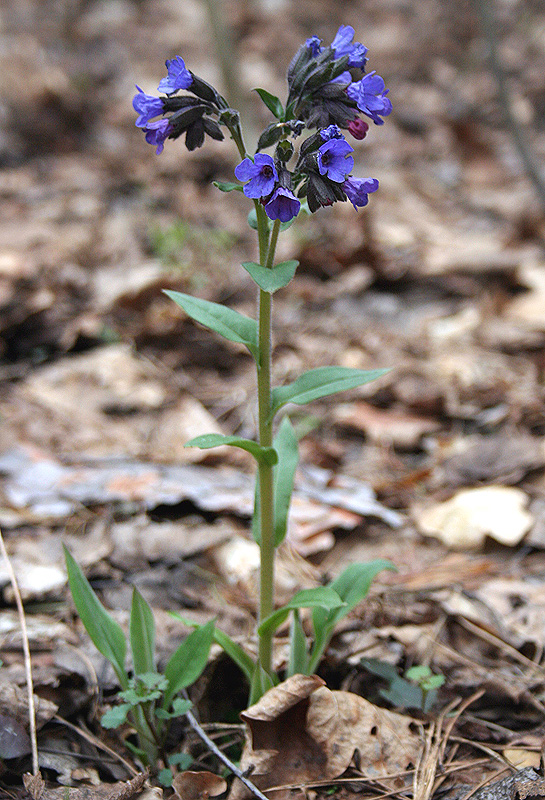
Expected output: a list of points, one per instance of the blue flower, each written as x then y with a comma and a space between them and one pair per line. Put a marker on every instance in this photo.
343, 45
314, 44
358, 191
157, 132
261, 174
147, 106
334, 161
283, 205
344, 77
331, 132
369, 95
179, 77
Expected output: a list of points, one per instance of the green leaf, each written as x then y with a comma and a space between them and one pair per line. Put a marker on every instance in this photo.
105, 633
188, 661
418, 673
285, 444
322, 597
179, 708
352, 586
270, 280
298, 656
228, 186
241, 658
235, 652
267, 455
321, 382
272, 102
225, 321
142, 635
115, 716
252, 219
261, 683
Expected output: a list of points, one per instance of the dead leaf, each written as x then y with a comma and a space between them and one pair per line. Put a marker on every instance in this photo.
301, 731
403, 430
14, 740
190, 785
122, 790
470, 516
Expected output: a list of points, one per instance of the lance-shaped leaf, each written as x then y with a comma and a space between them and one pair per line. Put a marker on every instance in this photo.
322, 597
272, 102
142, 635
233, 650
270, 280
209, 440
228, 186
105, 633
321, 382
188, 661
352, 586
225, 321
285, 444
298, 656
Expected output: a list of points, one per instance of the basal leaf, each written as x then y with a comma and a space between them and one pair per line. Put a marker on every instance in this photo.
321, 382
208, 440
272, 102
285, 444
352, 586
225, 321
142, 635
322, 597
298, 656
105, 633
115, 716
188, 661
233, 650
270, 280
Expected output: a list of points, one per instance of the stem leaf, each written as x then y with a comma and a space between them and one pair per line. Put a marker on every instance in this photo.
298, 656
272, 102
322, 597
105, 633
225, 321
321, 382
208, 440
270, 280
142, 635
228, 186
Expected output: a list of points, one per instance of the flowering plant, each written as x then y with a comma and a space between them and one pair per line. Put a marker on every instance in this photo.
328, 92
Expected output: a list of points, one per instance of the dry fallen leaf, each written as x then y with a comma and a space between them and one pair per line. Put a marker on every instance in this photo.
301, 731
198, 785
470, 516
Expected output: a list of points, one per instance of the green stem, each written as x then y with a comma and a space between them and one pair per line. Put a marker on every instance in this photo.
266, 474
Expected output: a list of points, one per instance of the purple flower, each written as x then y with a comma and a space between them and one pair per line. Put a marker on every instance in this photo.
283, 205
314, 44
261, 174
344, 77
334, 161
370, 97
179, 77
157, 132
147, 106
358, 128
358, 191
331, 132
343, 45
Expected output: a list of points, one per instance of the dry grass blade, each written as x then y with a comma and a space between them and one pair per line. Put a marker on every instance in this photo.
26, 652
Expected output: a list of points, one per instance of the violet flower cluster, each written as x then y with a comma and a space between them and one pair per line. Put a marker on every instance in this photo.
328, 92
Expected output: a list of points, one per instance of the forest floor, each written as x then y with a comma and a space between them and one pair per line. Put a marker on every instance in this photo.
439, 466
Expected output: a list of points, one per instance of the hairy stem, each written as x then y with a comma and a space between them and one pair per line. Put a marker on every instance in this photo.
266, 474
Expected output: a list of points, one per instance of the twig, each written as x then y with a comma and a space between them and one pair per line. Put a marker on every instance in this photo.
488, 23
217, 752
26, 652
97, 743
